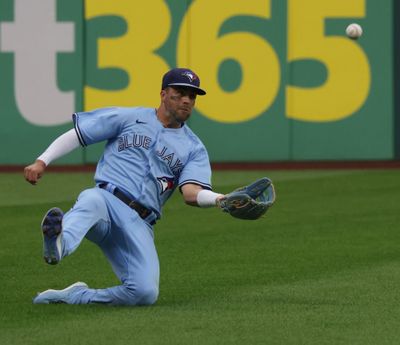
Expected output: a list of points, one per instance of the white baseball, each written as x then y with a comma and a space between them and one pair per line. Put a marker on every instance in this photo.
354, 31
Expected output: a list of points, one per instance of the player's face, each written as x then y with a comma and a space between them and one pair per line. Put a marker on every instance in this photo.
179, 103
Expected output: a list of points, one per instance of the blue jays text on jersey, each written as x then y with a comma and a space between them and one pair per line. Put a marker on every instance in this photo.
174, 163
135, 140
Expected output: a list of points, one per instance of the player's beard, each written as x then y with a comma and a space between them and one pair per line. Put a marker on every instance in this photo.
181, 115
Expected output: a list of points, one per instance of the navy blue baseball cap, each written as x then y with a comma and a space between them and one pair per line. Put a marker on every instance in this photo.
182, 77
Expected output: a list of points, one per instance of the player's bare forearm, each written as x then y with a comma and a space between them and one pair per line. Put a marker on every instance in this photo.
34, 171
189, 192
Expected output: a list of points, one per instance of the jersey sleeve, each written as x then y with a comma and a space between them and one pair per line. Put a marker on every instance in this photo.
197, 170
97, 125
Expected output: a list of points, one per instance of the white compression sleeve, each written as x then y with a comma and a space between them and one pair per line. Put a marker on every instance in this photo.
207, 198
64, 144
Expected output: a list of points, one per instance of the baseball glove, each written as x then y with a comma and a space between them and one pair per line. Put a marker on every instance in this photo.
250, 202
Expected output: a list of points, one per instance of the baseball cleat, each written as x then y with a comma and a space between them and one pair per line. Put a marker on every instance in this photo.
51, 230
59, 296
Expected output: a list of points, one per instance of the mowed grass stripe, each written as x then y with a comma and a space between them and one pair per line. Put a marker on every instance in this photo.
321, 268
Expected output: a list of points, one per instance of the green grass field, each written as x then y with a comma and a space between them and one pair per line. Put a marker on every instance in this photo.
322, 268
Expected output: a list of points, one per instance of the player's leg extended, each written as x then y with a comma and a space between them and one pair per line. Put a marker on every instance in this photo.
63, 233
89, 213
129, 246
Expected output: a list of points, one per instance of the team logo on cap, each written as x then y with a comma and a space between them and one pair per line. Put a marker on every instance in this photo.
191, 76
165, 183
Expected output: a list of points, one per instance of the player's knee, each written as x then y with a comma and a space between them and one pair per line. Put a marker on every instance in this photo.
148, 296
91, 198
142, 295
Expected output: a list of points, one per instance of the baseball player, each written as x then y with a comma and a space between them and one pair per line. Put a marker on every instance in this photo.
149, 153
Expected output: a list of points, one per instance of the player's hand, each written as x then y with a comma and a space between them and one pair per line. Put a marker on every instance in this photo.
34, 171
219, 199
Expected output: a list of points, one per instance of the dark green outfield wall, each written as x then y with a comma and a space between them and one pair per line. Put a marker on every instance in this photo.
284, 82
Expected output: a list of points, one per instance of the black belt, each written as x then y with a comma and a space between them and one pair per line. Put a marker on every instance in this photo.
142, 211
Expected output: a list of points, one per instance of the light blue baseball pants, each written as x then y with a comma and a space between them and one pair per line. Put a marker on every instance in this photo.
126, 240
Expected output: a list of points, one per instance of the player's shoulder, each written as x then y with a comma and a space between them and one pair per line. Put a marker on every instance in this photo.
192, 136
135, 110
132, 114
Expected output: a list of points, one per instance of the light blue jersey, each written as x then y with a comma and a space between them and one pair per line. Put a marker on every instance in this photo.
141, 157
